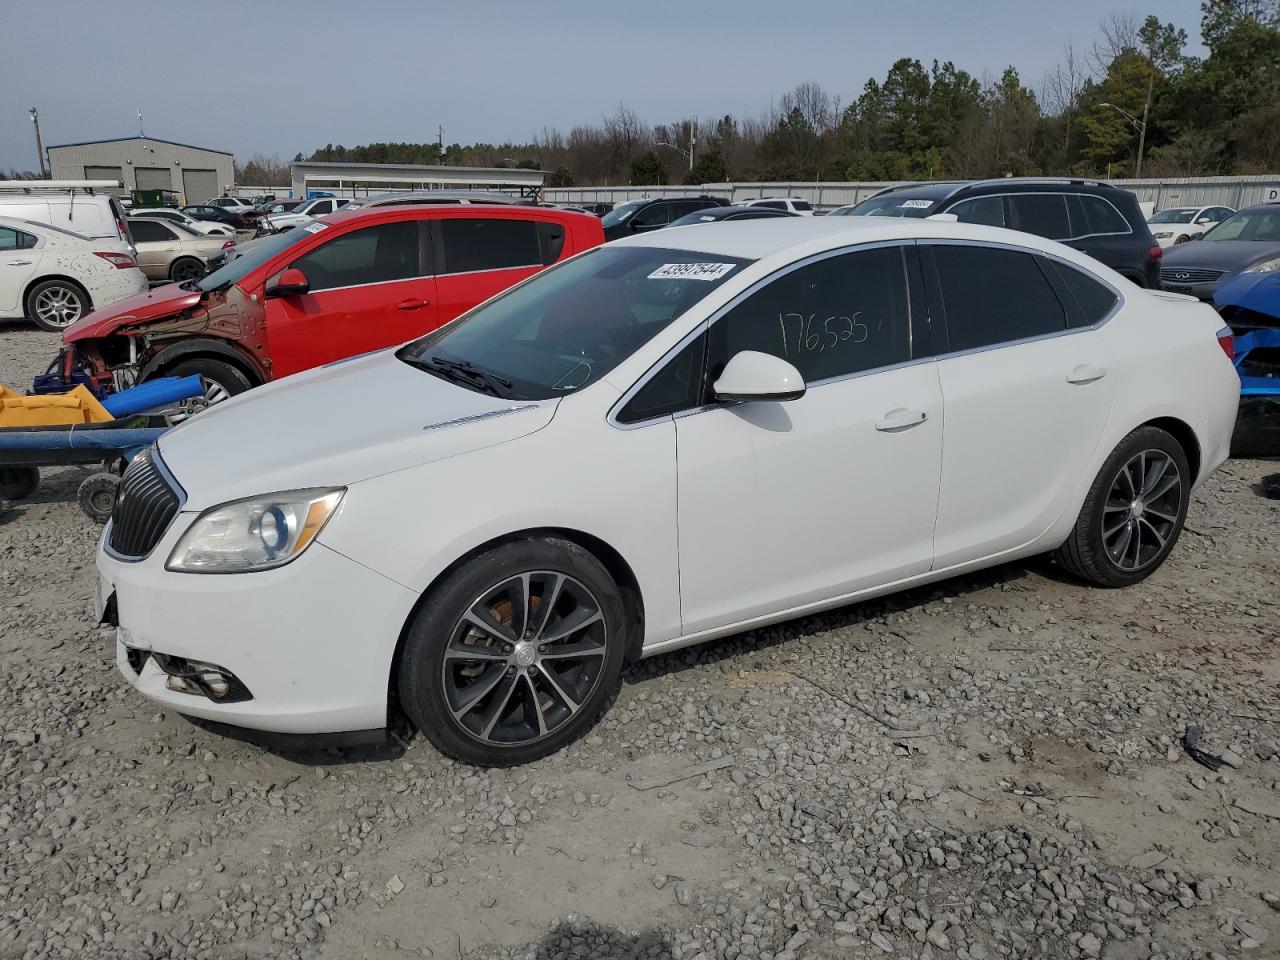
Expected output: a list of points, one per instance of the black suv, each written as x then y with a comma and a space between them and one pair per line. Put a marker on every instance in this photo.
1093, 217
640, 216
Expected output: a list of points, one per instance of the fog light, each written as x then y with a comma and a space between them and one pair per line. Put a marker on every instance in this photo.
198, 678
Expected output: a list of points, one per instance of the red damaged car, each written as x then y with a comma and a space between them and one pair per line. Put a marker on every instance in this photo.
345, 284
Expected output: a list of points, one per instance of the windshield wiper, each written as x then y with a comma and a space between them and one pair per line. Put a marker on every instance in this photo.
467, 374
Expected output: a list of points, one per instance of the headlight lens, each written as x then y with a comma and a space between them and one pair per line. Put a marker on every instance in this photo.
1162, 236
1266, 266
255, 534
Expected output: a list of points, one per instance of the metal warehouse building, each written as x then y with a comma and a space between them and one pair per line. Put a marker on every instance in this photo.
145, 163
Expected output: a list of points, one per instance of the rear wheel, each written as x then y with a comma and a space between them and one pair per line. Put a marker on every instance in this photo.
1133, 513
221, 381
186, 268
516, 654
54, 305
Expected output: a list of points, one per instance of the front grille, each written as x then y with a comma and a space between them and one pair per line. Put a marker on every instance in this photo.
1189, 275
146, 506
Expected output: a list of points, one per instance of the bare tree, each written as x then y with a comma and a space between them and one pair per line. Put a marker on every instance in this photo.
1119, 32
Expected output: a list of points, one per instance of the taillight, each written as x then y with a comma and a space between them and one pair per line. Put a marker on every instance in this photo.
1227, 341
1155, 253
121, 261
228, 245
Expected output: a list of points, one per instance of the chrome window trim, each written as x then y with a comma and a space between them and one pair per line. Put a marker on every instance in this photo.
372, 283
1052, 193
759, 284
471, 273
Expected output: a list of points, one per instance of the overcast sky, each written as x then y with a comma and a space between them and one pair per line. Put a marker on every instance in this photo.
277, 78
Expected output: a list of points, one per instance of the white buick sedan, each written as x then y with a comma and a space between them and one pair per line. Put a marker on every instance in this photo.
664, 440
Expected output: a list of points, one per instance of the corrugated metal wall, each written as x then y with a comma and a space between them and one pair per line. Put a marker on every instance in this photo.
1230, 191
157, 163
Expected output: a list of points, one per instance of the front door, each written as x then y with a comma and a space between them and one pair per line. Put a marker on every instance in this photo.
1027, 398
783, 504
369, 289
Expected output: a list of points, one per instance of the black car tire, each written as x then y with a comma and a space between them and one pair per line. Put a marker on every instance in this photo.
421, 680
1086, 552
18, 483
62, 289
222, 380
186, 268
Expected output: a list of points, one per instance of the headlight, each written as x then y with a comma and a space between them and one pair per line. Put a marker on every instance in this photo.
254, 534
1162, 236
1266, 266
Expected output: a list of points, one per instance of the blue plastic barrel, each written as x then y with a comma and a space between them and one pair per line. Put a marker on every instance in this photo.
153, 394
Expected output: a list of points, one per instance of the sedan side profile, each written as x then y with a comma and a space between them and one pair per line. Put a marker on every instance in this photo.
172, 251
661, 441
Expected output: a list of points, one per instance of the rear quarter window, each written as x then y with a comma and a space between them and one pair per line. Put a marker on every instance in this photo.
1088, 300
472, 244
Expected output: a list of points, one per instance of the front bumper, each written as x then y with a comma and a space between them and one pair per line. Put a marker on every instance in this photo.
311, 642
1201, 291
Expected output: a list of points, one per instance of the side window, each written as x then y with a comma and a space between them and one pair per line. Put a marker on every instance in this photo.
772, 205
15, 239
1044, 214
474, 243
149, 231
1099, 217
322, 207
654, 215
1218, 214
802, 204
837, 316
985, 210
378, 254
994, 296
550, 241
1094, 300
676, 387
682, 208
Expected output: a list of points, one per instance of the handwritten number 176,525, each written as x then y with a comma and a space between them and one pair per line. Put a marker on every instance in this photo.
813, 335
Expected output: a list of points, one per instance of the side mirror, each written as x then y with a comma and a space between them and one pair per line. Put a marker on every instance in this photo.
290, 283
751, 375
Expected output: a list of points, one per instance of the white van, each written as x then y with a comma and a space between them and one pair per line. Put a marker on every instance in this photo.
98, 216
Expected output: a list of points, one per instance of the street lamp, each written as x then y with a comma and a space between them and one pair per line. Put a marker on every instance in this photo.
1139, 125
693, 142
35, 119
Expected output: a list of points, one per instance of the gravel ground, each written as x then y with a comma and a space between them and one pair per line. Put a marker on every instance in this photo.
992, 768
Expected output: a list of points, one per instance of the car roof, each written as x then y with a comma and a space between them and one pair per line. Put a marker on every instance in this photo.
775, 236
1265, 205
511, 211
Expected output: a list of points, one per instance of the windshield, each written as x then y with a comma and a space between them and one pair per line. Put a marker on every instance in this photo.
893, 205
570, 325
249, 259
1260, 224
621, 213
1173, 216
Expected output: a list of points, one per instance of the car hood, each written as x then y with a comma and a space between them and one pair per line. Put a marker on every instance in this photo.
1257, 292
160, 302
1229, 255
335, 426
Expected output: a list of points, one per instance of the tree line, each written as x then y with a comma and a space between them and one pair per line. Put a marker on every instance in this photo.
1135, 93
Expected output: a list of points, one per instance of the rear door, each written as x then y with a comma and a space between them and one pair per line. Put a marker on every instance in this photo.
369, 288
1026, 387
483, 255
19, 260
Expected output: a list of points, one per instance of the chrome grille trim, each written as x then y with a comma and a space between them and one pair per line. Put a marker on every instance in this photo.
149, 501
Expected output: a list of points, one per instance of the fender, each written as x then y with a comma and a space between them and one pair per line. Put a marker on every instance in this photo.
203, 346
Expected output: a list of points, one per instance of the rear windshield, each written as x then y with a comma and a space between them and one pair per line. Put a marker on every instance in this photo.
894, 205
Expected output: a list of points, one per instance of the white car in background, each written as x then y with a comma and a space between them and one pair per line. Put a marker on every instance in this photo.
1180, 224
234, 204
209, 228
666, 439
299, 216
55, 277
794, 205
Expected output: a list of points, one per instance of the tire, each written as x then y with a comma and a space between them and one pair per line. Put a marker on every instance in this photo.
54, 305
97, 495
186, 268
18, 483
1106, 546
222, 382
538, 716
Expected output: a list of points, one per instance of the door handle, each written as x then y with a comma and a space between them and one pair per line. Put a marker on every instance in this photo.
1086, 373
411, 304
19, 263
901, 420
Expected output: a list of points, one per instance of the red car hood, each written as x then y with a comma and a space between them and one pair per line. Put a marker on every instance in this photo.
155, 304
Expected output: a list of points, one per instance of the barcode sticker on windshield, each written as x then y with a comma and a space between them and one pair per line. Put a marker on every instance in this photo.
691, 271
315, 227
917, 204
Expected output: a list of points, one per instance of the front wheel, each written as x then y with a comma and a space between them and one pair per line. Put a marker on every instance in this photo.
221, 381
516, 654
1133, 513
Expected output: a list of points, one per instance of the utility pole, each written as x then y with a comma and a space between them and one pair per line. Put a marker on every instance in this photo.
693, 139
1142, 131
140, 133
35, 119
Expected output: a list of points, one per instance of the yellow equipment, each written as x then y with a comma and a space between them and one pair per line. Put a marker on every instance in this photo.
79, 406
